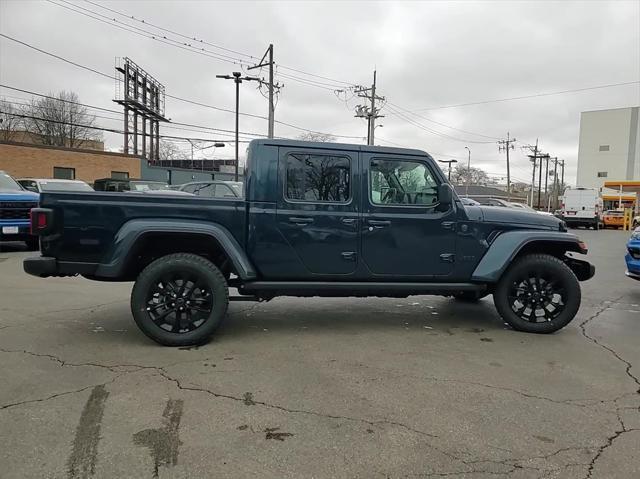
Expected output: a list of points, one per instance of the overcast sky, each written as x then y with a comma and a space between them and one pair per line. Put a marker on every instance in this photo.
427, 54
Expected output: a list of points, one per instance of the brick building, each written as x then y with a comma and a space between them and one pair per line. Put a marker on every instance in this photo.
23, 160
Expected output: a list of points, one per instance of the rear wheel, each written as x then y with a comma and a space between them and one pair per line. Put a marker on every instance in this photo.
538, 294
180, 299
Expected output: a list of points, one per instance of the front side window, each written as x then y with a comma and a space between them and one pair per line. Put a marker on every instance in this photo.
318, 178
402, 182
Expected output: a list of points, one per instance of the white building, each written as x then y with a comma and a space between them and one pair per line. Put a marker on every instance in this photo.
609, 147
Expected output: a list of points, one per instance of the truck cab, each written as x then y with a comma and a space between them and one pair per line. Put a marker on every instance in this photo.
315, 219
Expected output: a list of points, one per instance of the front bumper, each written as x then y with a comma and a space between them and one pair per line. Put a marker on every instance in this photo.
582, 269
23, 233
633, 266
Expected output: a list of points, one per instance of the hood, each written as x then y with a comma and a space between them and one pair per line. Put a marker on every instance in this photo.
18, 195
497, 214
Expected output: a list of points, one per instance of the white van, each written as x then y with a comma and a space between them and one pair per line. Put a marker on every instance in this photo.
582, 207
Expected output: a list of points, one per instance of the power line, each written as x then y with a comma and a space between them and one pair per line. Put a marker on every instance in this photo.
430, 130
169, 31
190, 37
120, 113
78, 65
441, 124
113, 22
142, 32
110, 130
534, 95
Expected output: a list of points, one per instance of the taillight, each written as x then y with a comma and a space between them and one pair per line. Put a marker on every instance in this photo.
40, 220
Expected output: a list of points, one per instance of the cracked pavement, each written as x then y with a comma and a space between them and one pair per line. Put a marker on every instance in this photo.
389, 388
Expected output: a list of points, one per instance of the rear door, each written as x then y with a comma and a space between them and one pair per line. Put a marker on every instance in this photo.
404, 233
317, 209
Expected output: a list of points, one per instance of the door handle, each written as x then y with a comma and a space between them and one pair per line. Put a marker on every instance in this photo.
379, 223
300, 220
349, 221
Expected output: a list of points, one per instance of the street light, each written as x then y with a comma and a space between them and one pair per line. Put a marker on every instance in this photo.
217, 144
237, 78
466, 189
449, 163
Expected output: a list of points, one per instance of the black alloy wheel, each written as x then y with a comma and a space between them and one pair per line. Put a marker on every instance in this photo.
180, 299
538, 294
179, 302
534, 296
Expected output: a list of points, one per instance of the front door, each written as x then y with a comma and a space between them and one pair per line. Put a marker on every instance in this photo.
317, 210
404, 233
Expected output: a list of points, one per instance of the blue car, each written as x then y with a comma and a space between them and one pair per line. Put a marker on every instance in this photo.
15, 205
632, 257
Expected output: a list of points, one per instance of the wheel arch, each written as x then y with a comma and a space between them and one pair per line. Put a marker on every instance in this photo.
510, 245
138, 242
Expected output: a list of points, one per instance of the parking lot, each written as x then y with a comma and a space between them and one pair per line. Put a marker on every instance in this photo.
416, 387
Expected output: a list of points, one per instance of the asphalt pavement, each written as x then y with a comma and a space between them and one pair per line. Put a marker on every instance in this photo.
301, 388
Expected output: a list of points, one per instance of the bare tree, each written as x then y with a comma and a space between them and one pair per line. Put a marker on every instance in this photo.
170, 151
473, 176
60, 121
317, 136
9, 123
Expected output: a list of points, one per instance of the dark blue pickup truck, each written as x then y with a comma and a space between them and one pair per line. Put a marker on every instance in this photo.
317, 219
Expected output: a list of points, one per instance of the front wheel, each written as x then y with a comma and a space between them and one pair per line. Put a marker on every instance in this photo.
538, 294
179, 299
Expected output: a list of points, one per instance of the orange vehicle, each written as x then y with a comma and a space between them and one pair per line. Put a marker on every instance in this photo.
613, 219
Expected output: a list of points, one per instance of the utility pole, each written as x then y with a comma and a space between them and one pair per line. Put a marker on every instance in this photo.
533, 176
237, 78
371, 112
272, 87
449, 163
534, 158
466, 188
555, 182
546, 183
507, 145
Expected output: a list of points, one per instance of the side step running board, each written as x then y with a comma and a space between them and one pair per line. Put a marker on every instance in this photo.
334, 288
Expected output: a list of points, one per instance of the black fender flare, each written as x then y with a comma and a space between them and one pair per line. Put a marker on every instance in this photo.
509, 243
119, 254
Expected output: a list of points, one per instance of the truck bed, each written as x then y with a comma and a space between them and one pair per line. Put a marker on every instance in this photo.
86, 224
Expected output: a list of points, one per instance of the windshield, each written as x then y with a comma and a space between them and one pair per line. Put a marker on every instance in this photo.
148, 185
64, 186
8, 183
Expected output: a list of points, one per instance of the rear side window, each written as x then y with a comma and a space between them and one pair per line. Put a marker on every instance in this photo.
318, 178
402, 182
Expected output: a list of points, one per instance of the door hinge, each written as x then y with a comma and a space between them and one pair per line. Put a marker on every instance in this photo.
448, 257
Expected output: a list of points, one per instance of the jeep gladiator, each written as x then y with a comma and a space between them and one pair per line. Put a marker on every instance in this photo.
317, 219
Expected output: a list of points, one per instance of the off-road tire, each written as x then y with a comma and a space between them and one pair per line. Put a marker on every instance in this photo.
192, 266
557, 272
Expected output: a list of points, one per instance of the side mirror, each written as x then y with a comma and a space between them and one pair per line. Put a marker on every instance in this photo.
445, 195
